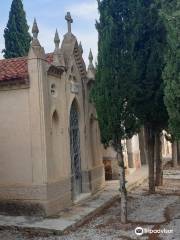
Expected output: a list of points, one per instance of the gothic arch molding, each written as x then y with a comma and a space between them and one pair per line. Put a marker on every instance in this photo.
76, 102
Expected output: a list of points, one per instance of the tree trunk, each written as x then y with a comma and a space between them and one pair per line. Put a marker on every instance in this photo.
150, 140
142, 147
158, 159
123, 190
174, 154
178, 153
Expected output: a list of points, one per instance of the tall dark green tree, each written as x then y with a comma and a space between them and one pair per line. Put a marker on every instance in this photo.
171, 14
16, 35
149, 57
114, 80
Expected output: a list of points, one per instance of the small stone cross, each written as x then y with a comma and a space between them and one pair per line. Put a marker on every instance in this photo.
69, 21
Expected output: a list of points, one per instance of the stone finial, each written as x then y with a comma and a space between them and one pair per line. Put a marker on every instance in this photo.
90, 57
91, 69
35, 30
80, 48
56, 40
35, 49
69, 21
58, 58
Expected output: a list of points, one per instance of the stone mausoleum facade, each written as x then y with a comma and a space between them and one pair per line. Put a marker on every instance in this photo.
50, 150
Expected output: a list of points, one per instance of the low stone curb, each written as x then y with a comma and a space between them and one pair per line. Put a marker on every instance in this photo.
47, 232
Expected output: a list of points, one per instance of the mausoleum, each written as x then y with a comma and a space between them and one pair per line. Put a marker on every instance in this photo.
50, 150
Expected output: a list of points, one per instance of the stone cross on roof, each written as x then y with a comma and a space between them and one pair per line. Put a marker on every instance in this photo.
69, 21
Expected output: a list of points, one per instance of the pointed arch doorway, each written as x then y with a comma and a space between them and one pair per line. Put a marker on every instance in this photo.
75, 152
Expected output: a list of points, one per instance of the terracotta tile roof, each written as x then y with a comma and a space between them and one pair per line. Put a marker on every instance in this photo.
17, 68
12, 69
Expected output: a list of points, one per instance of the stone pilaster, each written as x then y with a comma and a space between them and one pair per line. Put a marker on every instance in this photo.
37, 101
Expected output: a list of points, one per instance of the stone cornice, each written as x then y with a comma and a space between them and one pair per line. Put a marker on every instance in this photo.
13, 84
55, 70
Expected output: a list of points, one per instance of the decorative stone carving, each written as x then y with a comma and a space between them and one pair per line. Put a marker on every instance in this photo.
80, 48
74, 87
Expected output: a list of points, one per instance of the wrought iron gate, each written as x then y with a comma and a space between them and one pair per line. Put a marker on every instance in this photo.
75, 152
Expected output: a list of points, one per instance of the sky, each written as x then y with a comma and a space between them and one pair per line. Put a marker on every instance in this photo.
50, 14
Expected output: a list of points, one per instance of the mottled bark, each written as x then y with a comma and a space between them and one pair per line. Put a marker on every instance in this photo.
149, 146
174, 154
158, 159
123, 190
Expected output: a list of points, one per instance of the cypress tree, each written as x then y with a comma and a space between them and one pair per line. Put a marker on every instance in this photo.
171, 13
17, 38
114, 87
149, 57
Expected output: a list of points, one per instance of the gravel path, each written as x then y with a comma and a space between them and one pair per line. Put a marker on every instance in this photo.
154, 212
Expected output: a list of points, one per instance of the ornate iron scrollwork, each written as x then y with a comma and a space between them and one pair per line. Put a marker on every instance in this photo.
75, 148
